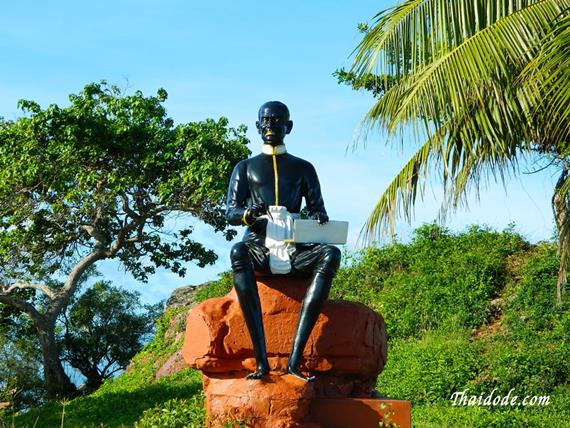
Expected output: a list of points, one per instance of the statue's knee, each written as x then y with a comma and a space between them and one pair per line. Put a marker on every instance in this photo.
331, 257
239, 257
239, 252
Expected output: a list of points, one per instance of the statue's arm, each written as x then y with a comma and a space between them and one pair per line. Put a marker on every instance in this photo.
238, 192
312, 192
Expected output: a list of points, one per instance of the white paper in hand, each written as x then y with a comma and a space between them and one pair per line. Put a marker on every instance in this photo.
310, 231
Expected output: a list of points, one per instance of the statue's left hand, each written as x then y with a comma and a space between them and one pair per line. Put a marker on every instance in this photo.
321, 217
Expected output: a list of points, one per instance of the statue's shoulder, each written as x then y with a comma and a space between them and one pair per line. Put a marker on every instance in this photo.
300, 164
252, 161
300, 161
245, 163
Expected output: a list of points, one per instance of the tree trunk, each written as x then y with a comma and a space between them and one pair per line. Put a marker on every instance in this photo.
57, 382
93, 382
561, 208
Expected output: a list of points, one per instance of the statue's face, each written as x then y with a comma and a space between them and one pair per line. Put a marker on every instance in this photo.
273, 123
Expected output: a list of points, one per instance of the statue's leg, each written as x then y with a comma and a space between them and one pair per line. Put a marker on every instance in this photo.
248, 296
324, 261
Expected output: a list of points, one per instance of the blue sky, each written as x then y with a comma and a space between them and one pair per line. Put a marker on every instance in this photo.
225, 59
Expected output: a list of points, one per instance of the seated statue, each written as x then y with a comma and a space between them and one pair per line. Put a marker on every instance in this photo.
265, 194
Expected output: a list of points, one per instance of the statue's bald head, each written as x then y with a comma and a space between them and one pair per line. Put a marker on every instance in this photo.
273, 123
276, 108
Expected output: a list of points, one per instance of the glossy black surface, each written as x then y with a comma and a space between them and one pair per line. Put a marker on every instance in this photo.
252, 188
253, 182
273, 123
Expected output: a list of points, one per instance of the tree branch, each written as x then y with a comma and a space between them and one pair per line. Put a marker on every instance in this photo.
127, 209
24, 285
109, 364
62, 297
20, 305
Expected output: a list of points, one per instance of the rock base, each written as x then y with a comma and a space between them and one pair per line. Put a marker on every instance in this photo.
348, 340
346, 351
276, 402
284, 401
360, 413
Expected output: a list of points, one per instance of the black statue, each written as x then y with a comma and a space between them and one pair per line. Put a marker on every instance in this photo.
265, 190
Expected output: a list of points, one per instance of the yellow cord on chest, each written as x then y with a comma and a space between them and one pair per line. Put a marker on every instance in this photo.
276, 173
268, 149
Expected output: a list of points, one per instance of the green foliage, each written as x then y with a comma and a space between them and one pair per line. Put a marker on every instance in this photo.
175, 413
103, 169
533, 310
116, 408
533, 351
431, 369
437, 415
378, 85
103, 329
438, 280
471, 310
217, 288
534, 367
21, 383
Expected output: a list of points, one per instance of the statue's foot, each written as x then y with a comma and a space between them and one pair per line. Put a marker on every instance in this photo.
259, 373
295, 372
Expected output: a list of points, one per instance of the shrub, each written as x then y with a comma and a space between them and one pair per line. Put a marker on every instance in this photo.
532, 309
438, 280
430, 369
217, 288
175, 413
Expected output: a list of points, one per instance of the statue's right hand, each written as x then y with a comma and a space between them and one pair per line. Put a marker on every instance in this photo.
257, 210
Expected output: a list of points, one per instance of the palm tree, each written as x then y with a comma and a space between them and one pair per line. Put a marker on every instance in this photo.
482, 83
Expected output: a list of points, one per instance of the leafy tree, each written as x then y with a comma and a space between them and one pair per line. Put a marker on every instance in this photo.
482, 84
97, 180
103, 329
21, 383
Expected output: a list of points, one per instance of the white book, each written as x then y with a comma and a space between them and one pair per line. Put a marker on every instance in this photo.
310, 231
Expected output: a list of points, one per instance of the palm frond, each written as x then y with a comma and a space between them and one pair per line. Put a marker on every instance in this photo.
465, 159
449, 84
545, 83
400, 195
415, 32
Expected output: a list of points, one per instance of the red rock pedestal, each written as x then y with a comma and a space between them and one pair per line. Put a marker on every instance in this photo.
346, 351
276, 402
360, 412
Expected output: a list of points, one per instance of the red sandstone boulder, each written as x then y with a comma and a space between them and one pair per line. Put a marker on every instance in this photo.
288, 402
348, 341
276, 402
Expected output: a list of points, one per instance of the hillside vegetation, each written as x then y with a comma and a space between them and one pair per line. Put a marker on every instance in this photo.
471, 311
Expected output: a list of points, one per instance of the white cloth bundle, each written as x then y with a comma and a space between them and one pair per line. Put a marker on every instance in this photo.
279, 230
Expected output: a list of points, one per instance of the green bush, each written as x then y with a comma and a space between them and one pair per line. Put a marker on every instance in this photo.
531, 369
430, 369
438, 280
443, 415
532, 308
217, 288
175, 413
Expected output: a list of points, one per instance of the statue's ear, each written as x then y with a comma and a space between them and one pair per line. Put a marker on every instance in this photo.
257, 126
289, 126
